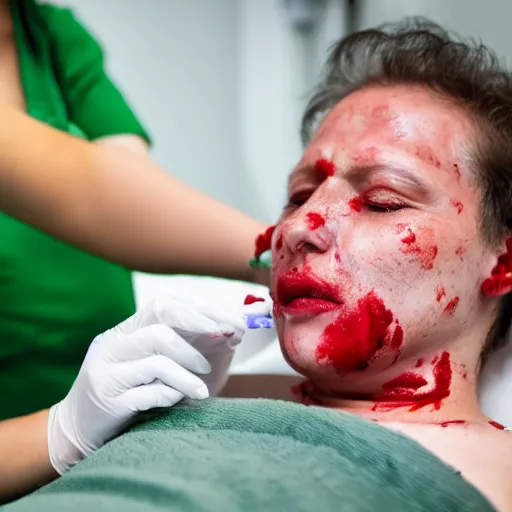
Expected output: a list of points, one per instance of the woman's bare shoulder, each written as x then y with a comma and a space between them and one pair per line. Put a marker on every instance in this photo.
482, 452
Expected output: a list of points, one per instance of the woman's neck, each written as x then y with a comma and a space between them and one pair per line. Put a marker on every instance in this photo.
435, 391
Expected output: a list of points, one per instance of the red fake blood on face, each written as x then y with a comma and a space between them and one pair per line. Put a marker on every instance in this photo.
314, 220
445, 424
251, 299
497, 425
355, 204
279, 243
353, 339
405, 390
457, 172
458, 205
440, 293
460, 251
263, 242
325, 168
425, 153
451, 306
422, 244
419, 363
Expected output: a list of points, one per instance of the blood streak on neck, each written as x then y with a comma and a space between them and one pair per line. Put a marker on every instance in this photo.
405, 391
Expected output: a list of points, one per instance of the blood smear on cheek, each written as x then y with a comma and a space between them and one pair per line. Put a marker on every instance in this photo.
451, 306
440, 293
419, 363
458, 205
422, 244
355, 204
353, 339
314, 220
325, 168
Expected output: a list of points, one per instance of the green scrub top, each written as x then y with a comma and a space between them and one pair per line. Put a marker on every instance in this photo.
55, 299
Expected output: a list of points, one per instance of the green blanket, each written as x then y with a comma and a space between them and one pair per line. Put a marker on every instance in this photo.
258, 455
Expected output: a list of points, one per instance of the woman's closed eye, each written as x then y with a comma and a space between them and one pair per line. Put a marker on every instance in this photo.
383, 201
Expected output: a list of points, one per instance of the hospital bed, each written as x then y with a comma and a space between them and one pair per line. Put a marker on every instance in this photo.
259, 369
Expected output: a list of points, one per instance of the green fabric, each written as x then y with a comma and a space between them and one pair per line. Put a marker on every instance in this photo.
258, 455
53, 298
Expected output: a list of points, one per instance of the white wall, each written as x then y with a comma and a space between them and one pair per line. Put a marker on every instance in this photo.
488, 21
221, 84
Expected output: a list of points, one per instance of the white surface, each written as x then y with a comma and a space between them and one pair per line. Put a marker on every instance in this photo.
259, 352
220, 84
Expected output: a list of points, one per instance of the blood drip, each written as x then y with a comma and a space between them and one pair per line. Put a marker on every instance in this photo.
457, 172
355, 204
314, 220
325, 168
458, 205
422, 244
497, 425
353, 339
279, 243
251, 299
440, 293
263, 242
403, 390
444, 424
451, 306
501, 275
419, 363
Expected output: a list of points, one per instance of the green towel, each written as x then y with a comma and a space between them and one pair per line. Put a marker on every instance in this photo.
258, 455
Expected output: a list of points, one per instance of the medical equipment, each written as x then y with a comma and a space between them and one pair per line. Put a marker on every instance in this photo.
258, 321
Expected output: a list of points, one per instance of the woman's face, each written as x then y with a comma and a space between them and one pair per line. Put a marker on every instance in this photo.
377, 258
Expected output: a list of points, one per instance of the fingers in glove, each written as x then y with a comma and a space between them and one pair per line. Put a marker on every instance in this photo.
150, 396
145, 371
195, 317
159, 340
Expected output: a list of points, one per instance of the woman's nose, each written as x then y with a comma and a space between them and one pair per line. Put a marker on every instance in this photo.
306, 232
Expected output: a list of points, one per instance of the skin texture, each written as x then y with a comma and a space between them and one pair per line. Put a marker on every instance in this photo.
380, 306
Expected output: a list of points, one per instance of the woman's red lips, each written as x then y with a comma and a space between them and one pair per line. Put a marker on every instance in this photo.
300, 293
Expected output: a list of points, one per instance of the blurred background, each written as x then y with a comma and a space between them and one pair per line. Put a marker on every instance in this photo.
221, 84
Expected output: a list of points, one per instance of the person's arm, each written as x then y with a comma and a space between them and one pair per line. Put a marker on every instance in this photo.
140, 364
24, 461
117, 204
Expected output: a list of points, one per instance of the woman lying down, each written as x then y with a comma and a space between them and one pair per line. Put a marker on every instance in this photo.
391, 282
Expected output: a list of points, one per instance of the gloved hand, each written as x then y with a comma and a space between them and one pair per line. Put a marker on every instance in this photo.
149, 360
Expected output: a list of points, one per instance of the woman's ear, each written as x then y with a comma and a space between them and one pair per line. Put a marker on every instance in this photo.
500, 281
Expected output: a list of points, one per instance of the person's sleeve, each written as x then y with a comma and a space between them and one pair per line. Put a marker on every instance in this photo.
94, 103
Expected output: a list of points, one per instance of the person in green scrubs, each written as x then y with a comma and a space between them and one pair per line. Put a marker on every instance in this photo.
54, 299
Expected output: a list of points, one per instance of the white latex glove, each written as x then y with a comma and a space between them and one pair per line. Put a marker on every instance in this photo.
150, 360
